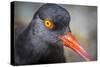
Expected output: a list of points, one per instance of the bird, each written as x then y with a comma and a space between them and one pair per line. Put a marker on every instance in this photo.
42, 41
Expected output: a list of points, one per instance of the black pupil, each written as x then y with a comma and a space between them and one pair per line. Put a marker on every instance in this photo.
47, 23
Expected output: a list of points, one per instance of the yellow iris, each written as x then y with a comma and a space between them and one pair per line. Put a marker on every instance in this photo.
48, 24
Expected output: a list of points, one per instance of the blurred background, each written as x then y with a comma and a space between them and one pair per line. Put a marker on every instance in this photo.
83, 25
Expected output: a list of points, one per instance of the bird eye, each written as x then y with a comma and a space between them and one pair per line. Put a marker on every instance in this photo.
48, 24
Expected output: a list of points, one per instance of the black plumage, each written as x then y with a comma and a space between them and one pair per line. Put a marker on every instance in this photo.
38, 45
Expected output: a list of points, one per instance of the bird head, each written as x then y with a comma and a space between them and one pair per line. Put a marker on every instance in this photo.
52, 25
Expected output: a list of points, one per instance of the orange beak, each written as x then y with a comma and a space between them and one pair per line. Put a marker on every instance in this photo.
70, 41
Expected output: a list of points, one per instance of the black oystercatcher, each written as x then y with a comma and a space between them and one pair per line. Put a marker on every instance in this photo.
40, 42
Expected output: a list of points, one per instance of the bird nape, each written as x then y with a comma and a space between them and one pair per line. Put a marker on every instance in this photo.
40, 42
